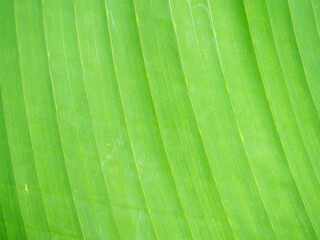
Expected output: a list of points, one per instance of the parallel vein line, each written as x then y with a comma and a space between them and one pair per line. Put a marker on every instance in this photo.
179, 136
94, 131
158, 125
70, 88
301, 59
272, 113
29, 130
203, 144
264, 205
233, 111
191, 99
83, 76
299, 128
58, 121
315, 18
4, 224
11, 160
68, 236
160, 130
277, 127
126, 123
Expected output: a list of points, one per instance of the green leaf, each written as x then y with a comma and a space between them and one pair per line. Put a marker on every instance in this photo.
160, 119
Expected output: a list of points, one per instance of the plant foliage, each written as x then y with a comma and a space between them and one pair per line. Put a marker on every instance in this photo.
160, 119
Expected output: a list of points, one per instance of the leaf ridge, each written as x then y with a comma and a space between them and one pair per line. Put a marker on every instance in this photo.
95, 47
232, 107
315, 18
299, 128
90, 111
272, 113
58, 121
191, 101
273, 229
277, 127
72, 98
129, 135
14, 185
304, 68
178, 133
27, 119
161, 134
3, 231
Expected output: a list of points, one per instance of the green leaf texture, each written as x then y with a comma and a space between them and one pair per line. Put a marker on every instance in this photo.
160, 119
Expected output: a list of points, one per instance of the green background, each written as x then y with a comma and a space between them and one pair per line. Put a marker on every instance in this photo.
159, 119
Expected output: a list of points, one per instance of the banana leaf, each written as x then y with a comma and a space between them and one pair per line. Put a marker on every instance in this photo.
159, 119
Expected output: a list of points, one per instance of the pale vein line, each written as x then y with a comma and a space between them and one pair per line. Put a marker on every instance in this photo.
175, 123
291, 99
125, 118
301, 58
58, 121
27, 119
231, 104
78, 43
60, 195
72, 98
243, 139
299, 129
11, 160
205, 148
181, 140
161, 134
232, 107
4, 223
68, 236
271, 109
314, 15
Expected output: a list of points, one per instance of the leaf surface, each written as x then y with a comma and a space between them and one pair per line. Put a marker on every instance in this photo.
169, 119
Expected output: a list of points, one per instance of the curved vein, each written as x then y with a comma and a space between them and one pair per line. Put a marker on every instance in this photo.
27, 119
273, 115
304, 68
58, 121
203, 144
